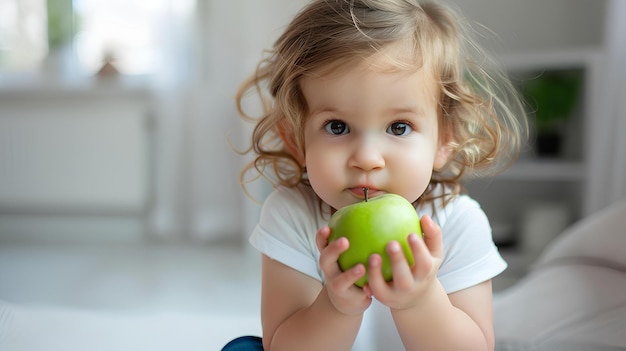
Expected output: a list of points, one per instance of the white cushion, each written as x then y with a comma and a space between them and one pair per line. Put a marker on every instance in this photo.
600, 238
573, 298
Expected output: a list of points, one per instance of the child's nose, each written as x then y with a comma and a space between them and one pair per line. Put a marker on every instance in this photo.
367, 154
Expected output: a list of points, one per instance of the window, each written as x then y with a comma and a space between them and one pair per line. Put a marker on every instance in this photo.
126, 31
23, 43
131, 34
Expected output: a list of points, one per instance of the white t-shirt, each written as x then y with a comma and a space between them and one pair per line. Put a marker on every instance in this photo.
291, 217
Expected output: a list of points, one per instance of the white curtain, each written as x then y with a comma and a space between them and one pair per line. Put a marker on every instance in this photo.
232, 35
607, 126
178, 67
616, 49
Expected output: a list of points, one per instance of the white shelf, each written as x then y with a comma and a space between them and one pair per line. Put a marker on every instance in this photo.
534, 180
551, 59
545, 170
88, 87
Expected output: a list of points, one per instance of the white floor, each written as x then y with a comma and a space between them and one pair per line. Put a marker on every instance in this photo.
131, 297
150, 297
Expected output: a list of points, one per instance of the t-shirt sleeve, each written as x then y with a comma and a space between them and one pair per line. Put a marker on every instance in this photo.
470, 255
286, 233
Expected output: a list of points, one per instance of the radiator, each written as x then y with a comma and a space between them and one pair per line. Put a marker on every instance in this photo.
74, 154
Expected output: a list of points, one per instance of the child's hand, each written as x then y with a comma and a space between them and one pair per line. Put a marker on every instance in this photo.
344, 295
409, 283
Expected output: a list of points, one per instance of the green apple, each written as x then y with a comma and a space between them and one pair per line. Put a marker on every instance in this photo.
369, 225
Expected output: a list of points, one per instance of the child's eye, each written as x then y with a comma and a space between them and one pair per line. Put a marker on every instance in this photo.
399, 129
336, 127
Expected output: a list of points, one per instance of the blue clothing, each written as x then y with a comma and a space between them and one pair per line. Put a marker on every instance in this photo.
245, 343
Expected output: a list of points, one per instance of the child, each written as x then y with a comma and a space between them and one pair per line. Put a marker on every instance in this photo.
384, 95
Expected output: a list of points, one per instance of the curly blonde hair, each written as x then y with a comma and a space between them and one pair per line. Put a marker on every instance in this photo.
478, 106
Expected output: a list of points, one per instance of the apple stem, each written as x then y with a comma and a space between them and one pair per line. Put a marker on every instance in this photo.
365, 191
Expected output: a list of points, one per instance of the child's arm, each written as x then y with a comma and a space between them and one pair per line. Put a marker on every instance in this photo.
460, 321
425, 316
299, 313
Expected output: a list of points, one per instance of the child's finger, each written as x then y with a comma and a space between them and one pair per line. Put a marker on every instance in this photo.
432, 236
346, 280
375, 280
422, 257
330, 254
321, 238
402, 275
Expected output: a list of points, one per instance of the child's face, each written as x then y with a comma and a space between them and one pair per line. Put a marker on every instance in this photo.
371, 128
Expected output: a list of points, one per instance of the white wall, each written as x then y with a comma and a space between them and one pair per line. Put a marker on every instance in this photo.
233, 35
197, 193
538, 24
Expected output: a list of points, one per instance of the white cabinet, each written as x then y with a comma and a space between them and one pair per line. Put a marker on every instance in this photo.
75, 163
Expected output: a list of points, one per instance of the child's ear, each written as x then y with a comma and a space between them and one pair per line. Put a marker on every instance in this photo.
444, 150
442, 156
287, 135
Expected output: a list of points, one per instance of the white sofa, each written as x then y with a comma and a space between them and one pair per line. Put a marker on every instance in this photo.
574, 297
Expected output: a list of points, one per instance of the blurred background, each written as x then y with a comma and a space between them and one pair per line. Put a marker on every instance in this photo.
119, 186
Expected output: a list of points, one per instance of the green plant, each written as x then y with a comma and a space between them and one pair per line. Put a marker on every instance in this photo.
553, 95
60, 23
